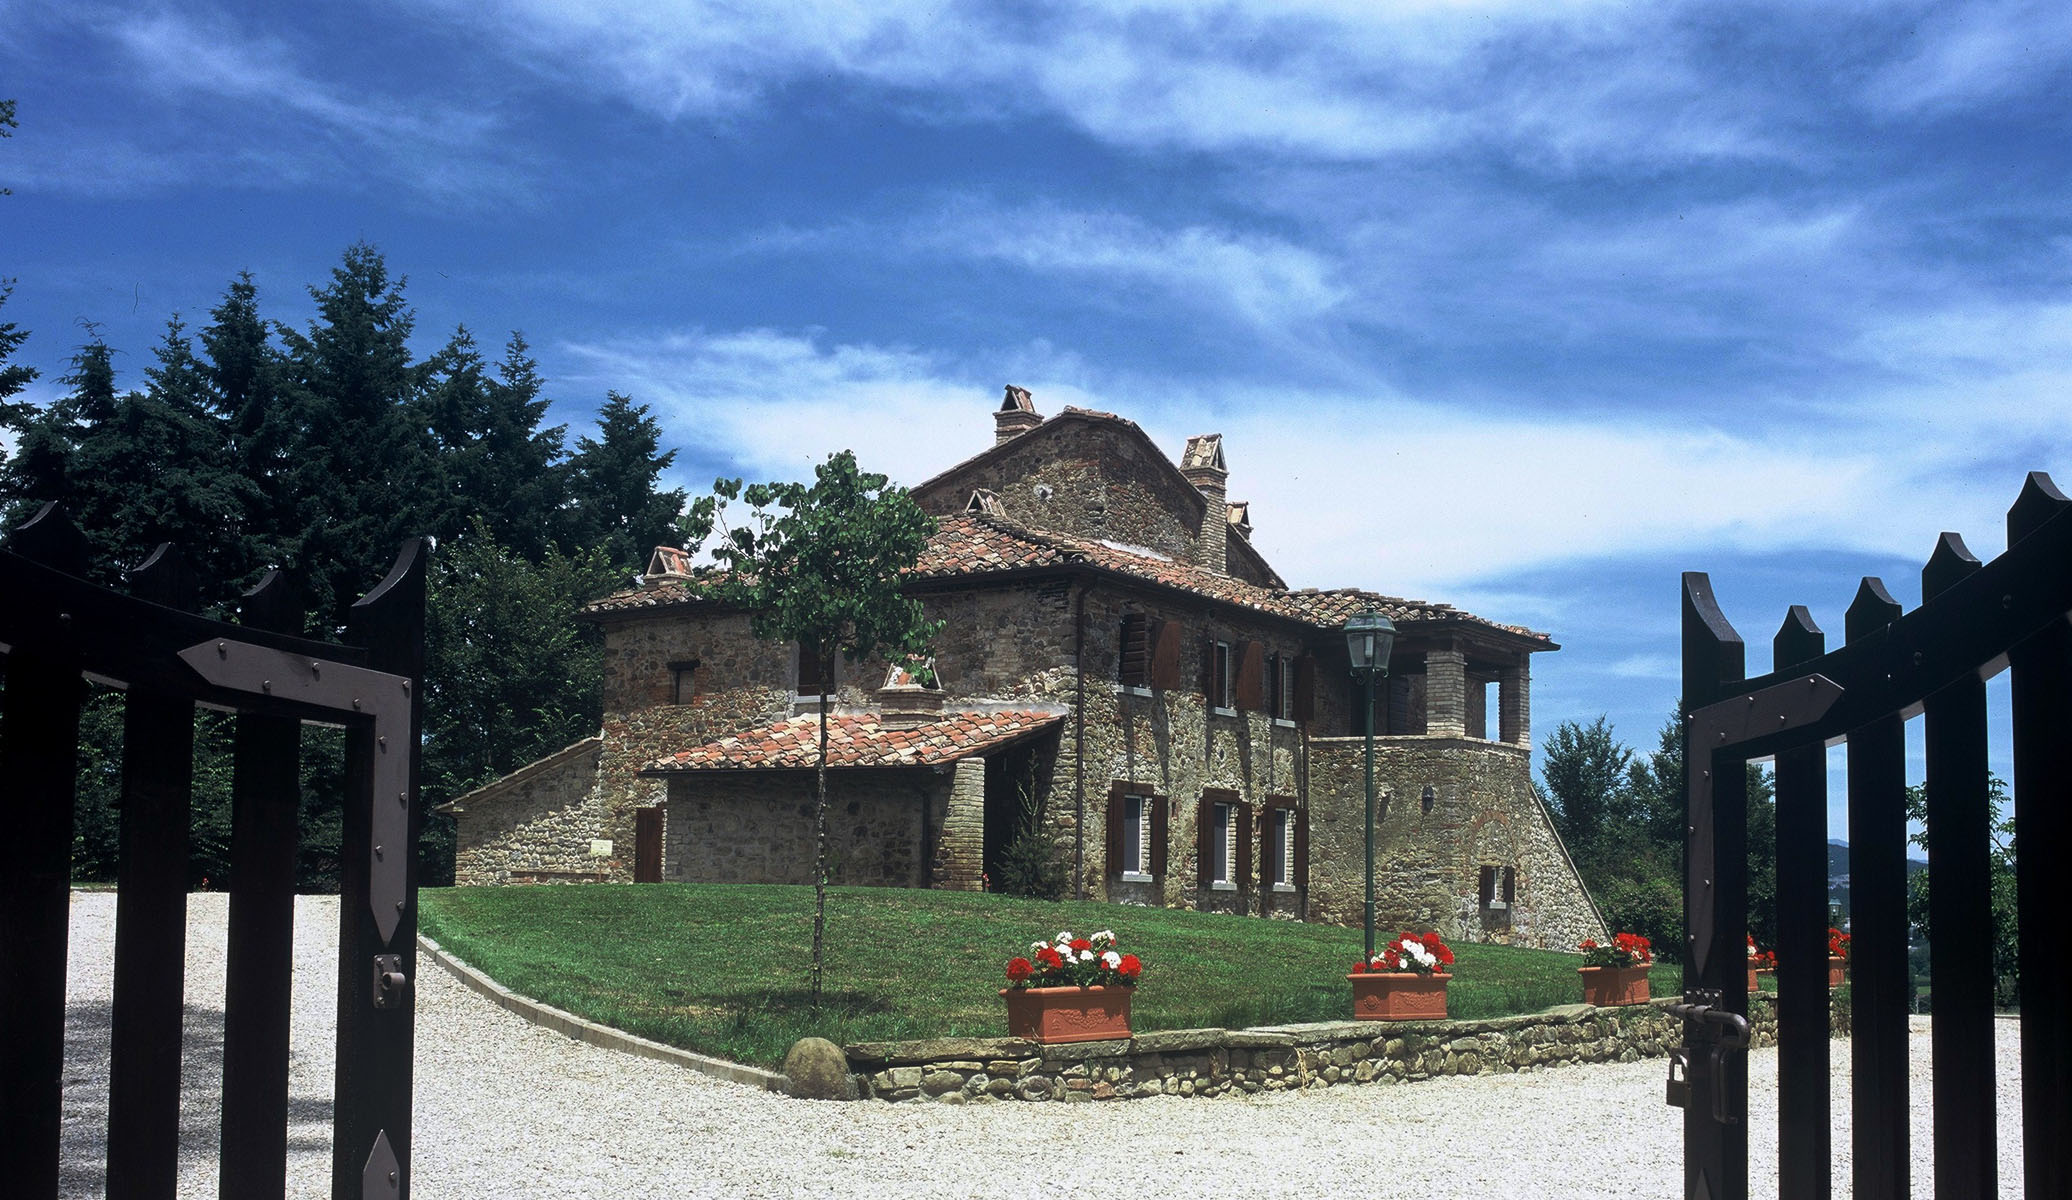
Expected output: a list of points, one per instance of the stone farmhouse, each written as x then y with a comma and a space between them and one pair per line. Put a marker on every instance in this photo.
1119, 666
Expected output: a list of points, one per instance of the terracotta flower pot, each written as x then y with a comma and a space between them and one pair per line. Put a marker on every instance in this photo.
1399, 996
1068, 1014
1613, 987
1837, 971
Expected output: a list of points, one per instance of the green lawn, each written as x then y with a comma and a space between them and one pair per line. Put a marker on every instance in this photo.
723, 970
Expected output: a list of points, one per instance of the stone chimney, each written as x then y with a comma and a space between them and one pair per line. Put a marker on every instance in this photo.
1016, 417
1202, 465
905, 702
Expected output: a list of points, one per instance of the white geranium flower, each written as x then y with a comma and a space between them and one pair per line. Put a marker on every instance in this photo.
1064, 938
1104, 938
1038, 947
1111, 960
1086, 956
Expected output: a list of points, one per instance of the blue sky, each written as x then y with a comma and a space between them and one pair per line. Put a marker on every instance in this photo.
1524, 307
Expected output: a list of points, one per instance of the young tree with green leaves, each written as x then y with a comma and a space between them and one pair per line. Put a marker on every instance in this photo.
2005, 956
822, 566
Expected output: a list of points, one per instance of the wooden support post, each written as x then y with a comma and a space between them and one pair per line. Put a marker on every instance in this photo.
1715, 661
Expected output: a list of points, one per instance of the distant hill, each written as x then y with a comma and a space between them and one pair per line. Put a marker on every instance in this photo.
1838, 873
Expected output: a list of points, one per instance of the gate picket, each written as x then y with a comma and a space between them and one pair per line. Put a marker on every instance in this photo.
1879, 1136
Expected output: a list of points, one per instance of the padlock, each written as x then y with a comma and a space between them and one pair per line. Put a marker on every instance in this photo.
1679, 1078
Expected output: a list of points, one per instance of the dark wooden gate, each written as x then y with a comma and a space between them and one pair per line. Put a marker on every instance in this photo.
1975, 619
55, 629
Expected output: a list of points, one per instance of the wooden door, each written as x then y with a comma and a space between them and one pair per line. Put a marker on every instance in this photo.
647, 845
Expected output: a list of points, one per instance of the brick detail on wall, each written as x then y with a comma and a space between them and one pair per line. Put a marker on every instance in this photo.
1445, 698
964, 828
1514, 705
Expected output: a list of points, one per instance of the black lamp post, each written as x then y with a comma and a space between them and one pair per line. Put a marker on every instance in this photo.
1368, 639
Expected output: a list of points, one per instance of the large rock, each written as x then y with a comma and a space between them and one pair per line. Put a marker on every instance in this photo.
818, 1070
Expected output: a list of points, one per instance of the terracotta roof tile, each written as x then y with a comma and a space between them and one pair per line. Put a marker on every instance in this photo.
859, 740
979, 544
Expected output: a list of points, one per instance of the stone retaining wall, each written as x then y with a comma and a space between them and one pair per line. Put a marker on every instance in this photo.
1216, 1062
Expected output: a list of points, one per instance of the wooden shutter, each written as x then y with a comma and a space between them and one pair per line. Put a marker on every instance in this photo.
1134, 668
1204, 847
1241, 874
1306, 688
1301, 872
1165, 654
1208, 668
1510, 886
1118, 808
1160, 814
1488, 886
1251, 676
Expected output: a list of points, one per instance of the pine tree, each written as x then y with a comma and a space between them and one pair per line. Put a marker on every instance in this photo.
357, 471
617, 506
244, 370
495, 463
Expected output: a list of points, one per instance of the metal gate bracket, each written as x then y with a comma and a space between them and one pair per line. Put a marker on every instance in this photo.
351, 691
382, 1179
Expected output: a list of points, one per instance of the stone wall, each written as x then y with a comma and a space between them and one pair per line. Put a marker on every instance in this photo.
533, 827
1172, 742
1216, 1062
884, 828
1078, 476
1429, 863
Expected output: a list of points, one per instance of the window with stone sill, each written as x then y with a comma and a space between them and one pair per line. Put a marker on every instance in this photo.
1280, 677
1280, 849
814, 672
1136, 839
1222, 832
1221, 697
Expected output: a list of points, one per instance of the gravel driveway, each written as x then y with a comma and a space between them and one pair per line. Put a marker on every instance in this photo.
506, 1109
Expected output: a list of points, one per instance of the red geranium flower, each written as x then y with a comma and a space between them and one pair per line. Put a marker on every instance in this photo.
1018, 969
1080, 944
1049, 959
1130, 967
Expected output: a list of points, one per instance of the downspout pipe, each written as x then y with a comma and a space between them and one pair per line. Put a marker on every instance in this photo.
1079, 744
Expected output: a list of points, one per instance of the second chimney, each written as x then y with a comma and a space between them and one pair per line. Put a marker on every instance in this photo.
1202, 465
1016, 417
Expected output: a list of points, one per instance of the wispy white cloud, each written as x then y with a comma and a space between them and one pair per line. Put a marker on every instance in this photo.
1323, 78
225, 101
1264, 281
775, 403
1962, 55
1410, 497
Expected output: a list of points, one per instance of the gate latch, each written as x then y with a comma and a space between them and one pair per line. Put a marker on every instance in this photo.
390, 984
1717, 1030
